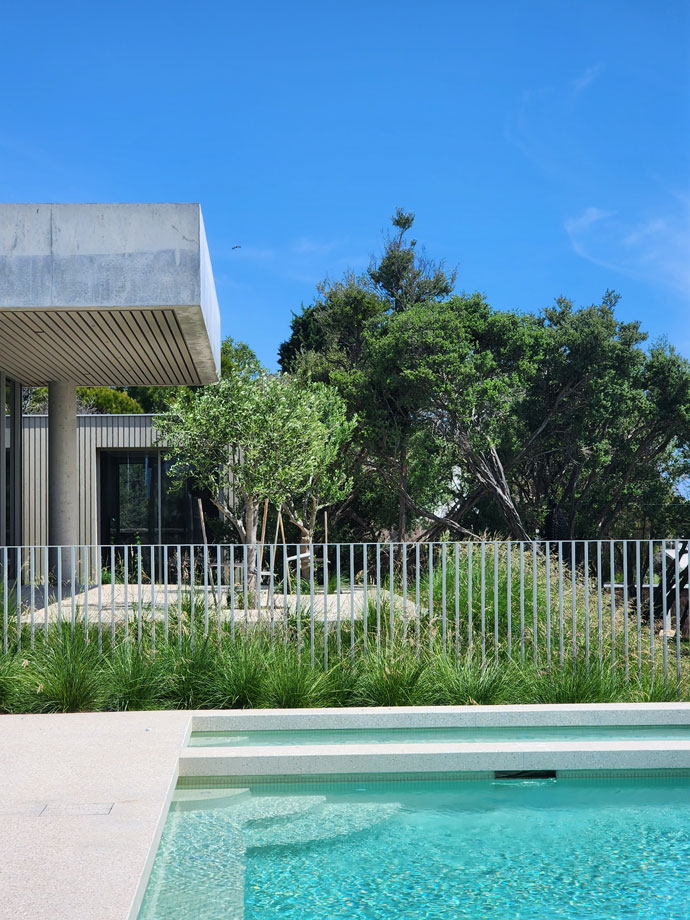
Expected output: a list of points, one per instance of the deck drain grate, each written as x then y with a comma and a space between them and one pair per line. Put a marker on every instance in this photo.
68, 810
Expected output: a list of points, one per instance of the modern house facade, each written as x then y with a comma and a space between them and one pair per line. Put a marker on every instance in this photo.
97, 294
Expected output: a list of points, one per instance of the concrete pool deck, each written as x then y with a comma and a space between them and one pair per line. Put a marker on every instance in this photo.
85, 796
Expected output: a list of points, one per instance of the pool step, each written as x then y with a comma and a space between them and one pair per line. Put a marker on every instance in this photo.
326, 823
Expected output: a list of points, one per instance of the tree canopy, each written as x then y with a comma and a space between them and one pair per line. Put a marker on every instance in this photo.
561, 423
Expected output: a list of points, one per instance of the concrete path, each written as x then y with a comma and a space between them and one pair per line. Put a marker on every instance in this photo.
83, 801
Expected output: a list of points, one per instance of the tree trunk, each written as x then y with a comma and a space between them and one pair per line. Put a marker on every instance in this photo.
251, 518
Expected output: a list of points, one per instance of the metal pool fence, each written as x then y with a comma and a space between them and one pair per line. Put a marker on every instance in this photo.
623, 602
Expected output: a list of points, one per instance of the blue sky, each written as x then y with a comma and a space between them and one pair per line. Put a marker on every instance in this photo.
543, 144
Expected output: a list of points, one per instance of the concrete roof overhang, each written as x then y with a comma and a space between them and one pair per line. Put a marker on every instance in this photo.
107, 294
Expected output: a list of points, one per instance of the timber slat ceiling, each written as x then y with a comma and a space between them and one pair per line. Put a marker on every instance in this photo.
101, 347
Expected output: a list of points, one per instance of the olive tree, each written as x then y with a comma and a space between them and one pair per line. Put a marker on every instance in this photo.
253, 437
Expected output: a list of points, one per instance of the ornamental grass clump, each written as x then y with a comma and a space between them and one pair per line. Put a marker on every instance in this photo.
289, 682
134, 678
466, 682
64, 675
391, 679
576, 682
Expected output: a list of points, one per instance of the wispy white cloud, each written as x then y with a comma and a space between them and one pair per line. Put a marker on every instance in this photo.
652, 248
585, 79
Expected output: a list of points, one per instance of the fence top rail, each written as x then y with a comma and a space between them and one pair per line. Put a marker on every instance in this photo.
304, 548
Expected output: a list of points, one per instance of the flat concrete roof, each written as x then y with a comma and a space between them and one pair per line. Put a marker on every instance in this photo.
107, 294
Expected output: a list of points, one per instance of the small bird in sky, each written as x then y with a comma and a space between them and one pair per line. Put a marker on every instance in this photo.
236, 247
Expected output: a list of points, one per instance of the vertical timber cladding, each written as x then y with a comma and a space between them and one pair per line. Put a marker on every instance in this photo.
94, 433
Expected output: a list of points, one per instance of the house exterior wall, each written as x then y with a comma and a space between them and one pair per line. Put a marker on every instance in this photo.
94, 432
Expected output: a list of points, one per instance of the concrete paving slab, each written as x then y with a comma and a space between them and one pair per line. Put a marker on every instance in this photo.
84, 797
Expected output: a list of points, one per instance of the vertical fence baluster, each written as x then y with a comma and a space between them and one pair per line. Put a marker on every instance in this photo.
32, 593
352, 602
638, 608
5, 601
469, 599
547, 554
271, 590
444, 629
153, 599
600, 607
231, 589
311, 604
457, 600
46, 591
585, 567
573, 607
651, 611
325, 605
205, 558
286, 576
219, 582
365, 612
378, 597
561, 637
245, 589
664, 612
139, 597
298, 581
535, 620
404, 591
179, 596
165, 594
19, 597
418, 621
677, 605
496, 629
391, 595
626, 638
612, 580
112, 598
482, 597
430, 597
338, 640
125, 556
73, 586
509, 591
85, 585
522, 602
99, 579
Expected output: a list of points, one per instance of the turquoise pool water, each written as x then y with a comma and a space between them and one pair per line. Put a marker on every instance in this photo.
410, 735
596, 849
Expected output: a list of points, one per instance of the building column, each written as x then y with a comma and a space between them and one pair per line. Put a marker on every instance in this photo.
62, 464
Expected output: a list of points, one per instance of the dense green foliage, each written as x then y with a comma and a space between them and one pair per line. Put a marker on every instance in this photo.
92, 400
470, 419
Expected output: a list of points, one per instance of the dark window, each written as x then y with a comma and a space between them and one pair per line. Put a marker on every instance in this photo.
139, 503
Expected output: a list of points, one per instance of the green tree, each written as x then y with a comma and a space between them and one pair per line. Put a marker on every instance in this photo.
340, 339
256, 436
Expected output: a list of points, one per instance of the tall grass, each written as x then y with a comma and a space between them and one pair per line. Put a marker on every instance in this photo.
66, 672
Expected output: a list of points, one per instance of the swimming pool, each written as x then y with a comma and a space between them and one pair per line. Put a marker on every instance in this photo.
464, 734
581, 847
